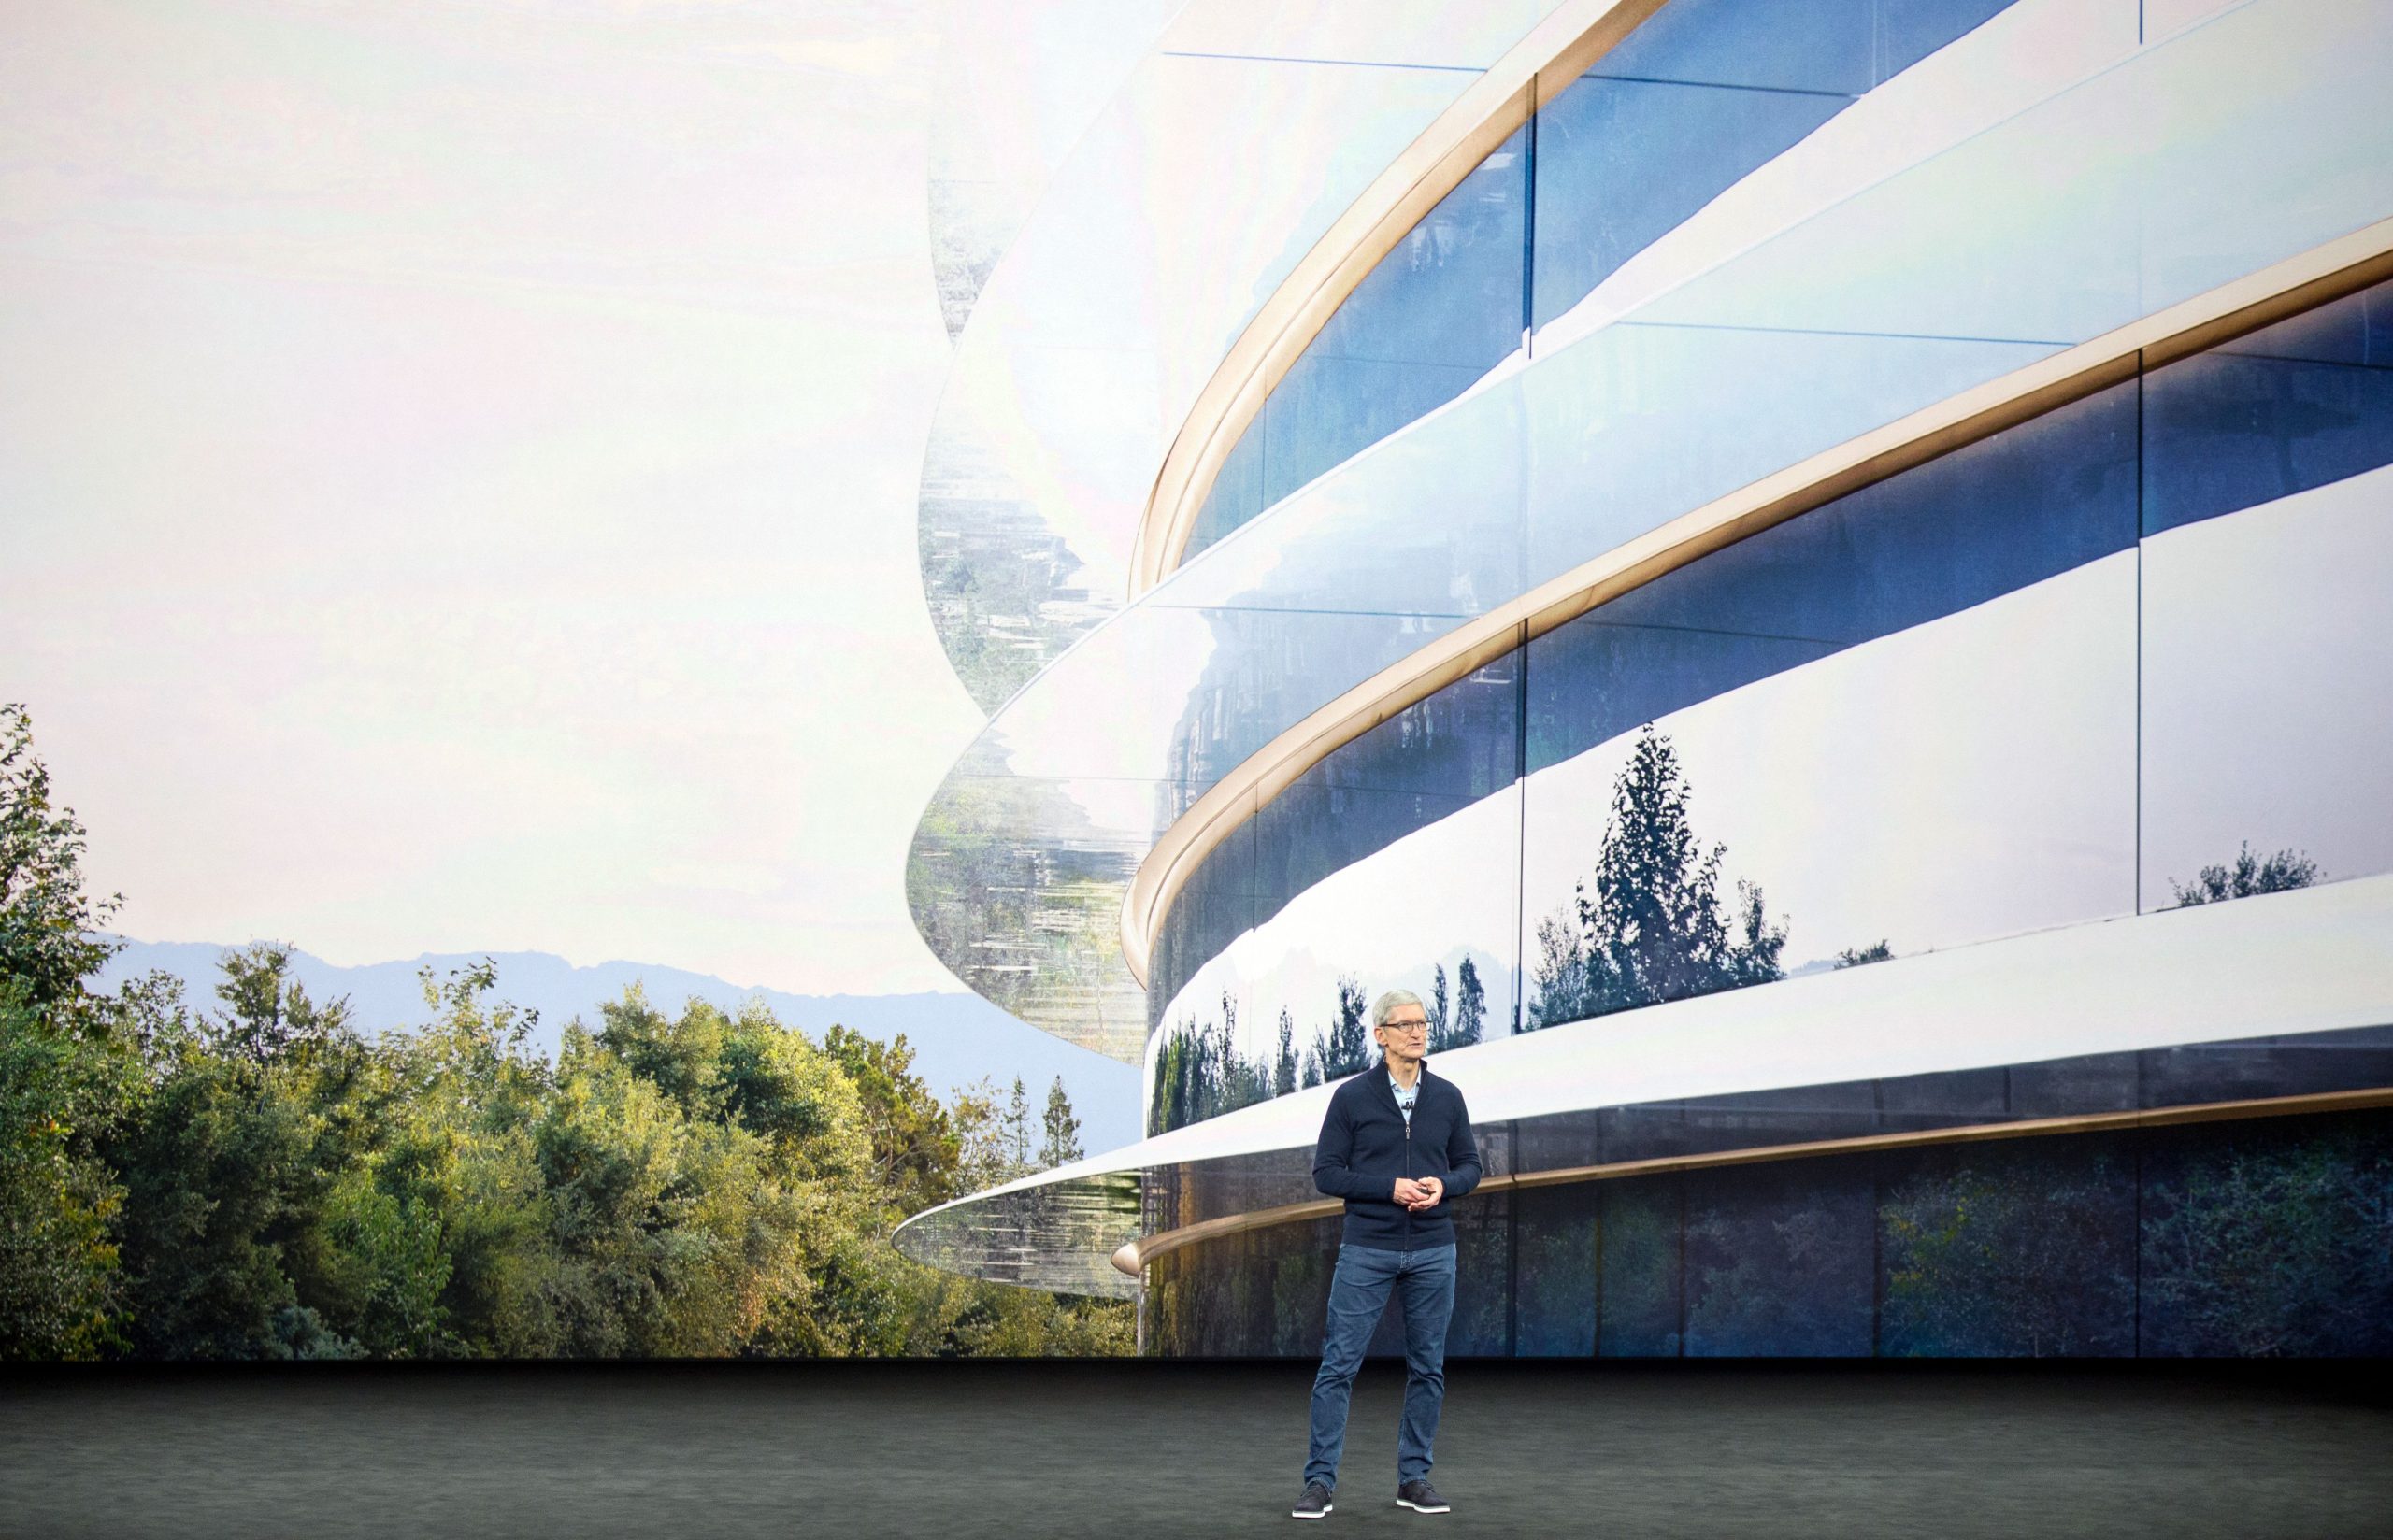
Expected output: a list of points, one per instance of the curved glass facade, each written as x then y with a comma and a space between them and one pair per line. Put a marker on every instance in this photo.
1843, 324
1695, 99
2147, 1243
1955, 704
1231, 149
1964, 760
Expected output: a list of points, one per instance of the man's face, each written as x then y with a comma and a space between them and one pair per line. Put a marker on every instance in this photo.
1405, 1034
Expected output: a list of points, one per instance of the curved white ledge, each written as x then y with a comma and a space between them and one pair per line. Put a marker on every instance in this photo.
2312, 960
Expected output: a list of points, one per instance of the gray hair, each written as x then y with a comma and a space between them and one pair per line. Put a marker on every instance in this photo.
1385, 1006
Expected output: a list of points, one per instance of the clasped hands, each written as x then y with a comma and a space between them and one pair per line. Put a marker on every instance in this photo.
1419, 1192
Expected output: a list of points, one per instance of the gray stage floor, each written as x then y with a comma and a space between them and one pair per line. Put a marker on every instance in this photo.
1192, 1449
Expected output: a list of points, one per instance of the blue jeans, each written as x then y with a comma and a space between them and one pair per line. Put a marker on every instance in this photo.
1423, 1283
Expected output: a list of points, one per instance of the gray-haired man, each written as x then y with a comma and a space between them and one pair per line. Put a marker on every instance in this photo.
1396, 1144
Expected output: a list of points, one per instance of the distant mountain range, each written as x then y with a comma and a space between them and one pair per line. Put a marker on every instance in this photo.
956, 1038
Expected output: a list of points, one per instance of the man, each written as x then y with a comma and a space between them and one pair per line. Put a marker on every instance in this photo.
1396, 1144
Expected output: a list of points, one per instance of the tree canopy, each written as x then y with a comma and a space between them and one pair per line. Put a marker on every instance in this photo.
257, 1177
1655, 927
2247, 877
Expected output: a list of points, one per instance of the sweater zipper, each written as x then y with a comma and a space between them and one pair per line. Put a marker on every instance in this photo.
1408, 1172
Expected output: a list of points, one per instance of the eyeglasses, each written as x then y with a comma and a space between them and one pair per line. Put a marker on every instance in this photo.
1404, 1026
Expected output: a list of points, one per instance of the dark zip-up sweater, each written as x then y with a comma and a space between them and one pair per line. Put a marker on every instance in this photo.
1366, 1144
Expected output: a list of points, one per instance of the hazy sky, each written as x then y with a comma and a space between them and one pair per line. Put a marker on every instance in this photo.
457, 468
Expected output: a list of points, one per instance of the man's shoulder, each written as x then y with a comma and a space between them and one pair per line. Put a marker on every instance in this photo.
1354, 1084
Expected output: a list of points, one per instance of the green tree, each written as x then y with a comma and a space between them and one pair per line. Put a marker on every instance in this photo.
59, 1293
981, 1156
1017, 1129
1200, 1073
1655, 928
225, 1180
1470, 1008
48, 927
1061, 1142
1283, 1065
1343, 1047
671, 1234
258, 1179
2261, 1242
1854, 957
447, 1115
2246, 876
2005, 1252
917, 1147
68, 1076
675, 1054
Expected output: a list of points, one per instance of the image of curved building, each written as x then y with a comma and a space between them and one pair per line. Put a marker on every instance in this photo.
1812, 575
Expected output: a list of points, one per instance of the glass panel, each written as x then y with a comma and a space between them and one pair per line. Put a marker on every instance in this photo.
1061, 1236
2302, 1065
2266, 1239
1016, 885
2059, 1088
2166, 153
1779, 1260
1554, 1284
1553, 1143
1215, 909
2262, 629
1301, 1291
1941, 662
1798, 1115
2301, 404
1695, 99
1434, 315
1181, 208
1192, 1191
2010, 1251
1640, 1267
1640, 423
1438, 513
1622, 163
1187, 695
1426, 761
1434, 912
1482, 1326
2043, 499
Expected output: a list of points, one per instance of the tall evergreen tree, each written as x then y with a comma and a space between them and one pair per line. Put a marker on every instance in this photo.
1283, 1067
1655, 928
1061, 1141
1017, 1127
1345, 1047
1470, 1008
1439, 1028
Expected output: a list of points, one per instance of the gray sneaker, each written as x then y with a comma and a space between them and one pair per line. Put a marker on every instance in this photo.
1421, 1497
1314, 1503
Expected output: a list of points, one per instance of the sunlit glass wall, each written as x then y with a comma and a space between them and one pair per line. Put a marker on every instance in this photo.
1696, 99
2125, 656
